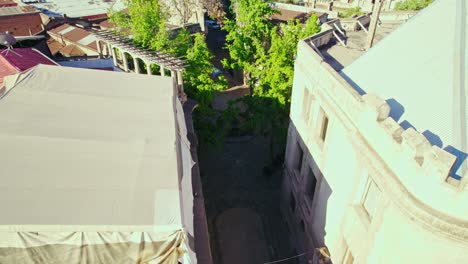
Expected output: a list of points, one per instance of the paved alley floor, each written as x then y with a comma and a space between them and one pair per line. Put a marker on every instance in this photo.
242, 204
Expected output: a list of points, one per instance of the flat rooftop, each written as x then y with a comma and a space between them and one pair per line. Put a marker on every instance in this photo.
339, 56
85, 147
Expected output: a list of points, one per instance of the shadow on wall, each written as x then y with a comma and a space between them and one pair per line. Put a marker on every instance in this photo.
396, 112
461, 161
312, 197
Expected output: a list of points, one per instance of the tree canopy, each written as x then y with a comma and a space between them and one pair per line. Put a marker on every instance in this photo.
248, 36
412, 4
266, 53
145, 21
276, 78
198, 75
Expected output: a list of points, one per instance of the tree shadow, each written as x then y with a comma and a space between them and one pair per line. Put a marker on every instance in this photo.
307, 217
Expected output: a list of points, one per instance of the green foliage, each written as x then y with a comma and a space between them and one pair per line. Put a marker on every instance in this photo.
412, 4
213, 126
248, 36
145, 21
143, 18
199, 83
277, 77
273, 68
351, 12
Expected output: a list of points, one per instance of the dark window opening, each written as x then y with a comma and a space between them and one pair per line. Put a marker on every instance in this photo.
299, 157
292, 202
323, 132
311, 183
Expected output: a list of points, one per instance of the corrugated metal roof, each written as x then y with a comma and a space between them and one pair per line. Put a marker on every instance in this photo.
20, 60
78, 8
17, 10
87, 40
77, 36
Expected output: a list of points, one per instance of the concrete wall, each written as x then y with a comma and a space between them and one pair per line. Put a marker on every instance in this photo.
419, 216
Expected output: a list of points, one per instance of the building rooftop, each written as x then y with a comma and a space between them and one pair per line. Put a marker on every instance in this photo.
72, 138
420, 69
20, 20
78, 8
339, 56
20, 60
17, 10
7, 3
77, 37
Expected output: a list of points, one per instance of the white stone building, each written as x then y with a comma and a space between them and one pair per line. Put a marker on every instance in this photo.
375, 167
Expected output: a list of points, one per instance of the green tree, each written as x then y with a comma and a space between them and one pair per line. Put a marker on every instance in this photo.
211, 125
412, 4
200, 84
268, 106
248, 36
276, 78
350, 12
144, 20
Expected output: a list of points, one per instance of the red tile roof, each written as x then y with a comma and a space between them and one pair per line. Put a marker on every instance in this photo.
7, 3
11, 63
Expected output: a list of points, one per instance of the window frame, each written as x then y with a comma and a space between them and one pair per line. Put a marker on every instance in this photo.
323, 125
369, 183
310, 195
306, 105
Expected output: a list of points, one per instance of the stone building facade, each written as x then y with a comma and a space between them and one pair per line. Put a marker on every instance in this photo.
361, 184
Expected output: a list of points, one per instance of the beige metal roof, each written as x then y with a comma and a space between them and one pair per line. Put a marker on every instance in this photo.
85, 147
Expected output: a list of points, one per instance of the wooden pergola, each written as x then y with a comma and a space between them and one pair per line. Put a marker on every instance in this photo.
124, 45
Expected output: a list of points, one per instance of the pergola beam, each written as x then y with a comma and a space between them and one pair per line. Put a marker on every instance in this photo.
151, 56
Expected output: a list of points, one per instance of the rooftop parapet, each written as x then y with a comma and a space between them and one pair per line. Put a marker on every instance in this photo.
406, 152
411, 170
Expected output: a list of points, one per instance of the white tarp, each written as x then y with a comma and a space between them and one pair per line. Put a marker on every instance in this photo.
93, 162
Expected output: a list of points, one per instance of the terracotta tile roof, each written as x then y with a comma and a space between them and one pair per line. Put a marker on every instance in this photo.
11, 63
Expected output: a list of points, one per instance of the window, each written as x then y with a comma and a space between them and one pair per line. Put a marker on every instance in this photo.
306, 102
371, 198
298, 158
311, 182
292, 202
324, 125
